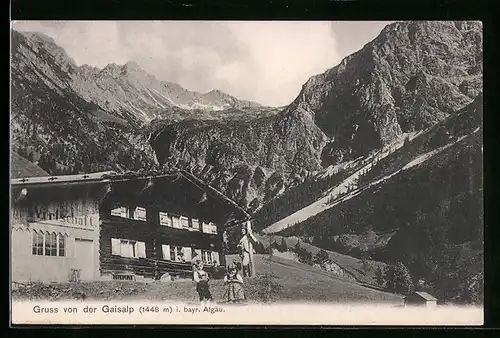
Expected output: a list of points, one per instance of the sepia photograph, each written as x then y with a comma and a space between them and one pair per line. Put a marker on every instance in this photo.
246, 172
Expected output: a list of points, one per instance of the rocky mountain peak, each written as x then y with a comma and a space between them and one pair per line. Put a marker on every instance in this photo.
39, 41
88, 70
37, 37
132, 66
34, 42
112, 70
216, 92
408, 78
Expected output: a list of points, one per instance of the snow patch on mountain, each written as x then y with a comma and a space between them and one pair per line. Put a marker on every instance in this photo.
340, 193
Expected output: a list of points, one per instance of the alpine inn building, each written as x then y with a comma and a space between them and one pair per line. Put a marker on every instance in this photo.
105, 226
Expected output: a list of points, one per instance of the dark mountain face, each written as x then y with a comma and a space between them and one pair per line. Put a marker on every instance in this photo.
249, 160
413, 75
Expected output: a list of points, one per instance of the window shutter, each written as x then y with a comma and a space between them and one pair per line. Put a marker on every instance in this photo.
120, 211
126, 248
198, 251
196, 224
215, 257
115, 246
165, 219
176, 222
165, 248
187, 253
140, 249
213, 228
205, 227
140, 214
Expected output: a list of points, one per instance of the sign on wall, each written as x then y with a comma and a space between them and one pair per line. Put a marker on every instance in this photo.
77, 213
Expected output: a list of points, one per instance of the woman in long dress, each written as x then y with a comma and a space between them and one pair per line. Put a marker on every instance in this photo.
244, 249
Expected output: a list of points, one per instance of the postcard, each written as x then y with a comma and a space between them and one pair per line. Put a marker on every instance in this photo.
247, 172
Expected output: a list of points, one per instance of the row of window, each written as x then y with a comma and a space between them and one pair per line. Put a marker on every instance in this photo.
54, 244
167, 219
137, 249
48, 244
186, 254
139, 213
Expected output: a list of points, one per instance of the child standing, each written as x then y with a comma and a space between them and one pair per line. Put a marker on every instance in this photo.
201, 279
234, 292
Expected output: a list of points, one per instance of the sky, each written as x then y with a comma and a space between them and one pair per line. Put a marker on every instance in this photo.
264, 61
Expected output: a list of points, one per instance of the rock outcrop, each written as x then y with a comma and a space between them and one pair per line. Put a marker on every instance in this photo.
413, 75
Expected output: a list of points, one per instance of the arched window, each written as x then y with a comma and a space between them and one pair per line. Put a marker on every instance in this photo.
48, 244
61, 245
37, 244
51, 244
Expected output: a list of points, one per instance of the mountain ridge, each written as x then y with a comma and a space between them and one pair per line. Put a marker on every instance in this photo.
127, 91
371, 98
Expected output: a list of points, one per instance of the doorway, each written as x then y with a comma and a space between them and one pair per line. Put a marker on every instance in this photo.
84, 258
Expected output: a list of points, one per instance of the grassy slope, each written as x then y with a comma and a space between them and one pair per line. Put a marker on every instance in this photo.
307, 283
352, 265
300, 282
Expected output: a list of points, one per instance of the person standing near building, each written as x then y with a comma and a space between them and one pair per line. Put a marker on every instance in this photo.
218, 271
245, 248
195, 258
234, 291
201, 279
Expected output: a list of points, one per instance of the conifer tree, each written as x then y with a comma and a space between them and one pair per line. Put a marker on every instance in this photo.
321, 257
283, 247
379, 276
399, 279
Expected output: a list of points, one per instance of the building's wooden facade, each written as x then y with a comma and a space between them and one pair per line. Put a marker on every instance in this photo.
142, 225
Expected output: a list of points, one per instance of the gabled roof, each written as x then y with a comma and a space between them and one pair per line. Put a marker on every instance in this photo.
111, 176
47, 179
425, 295
202, 185
188, 176
21, 167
